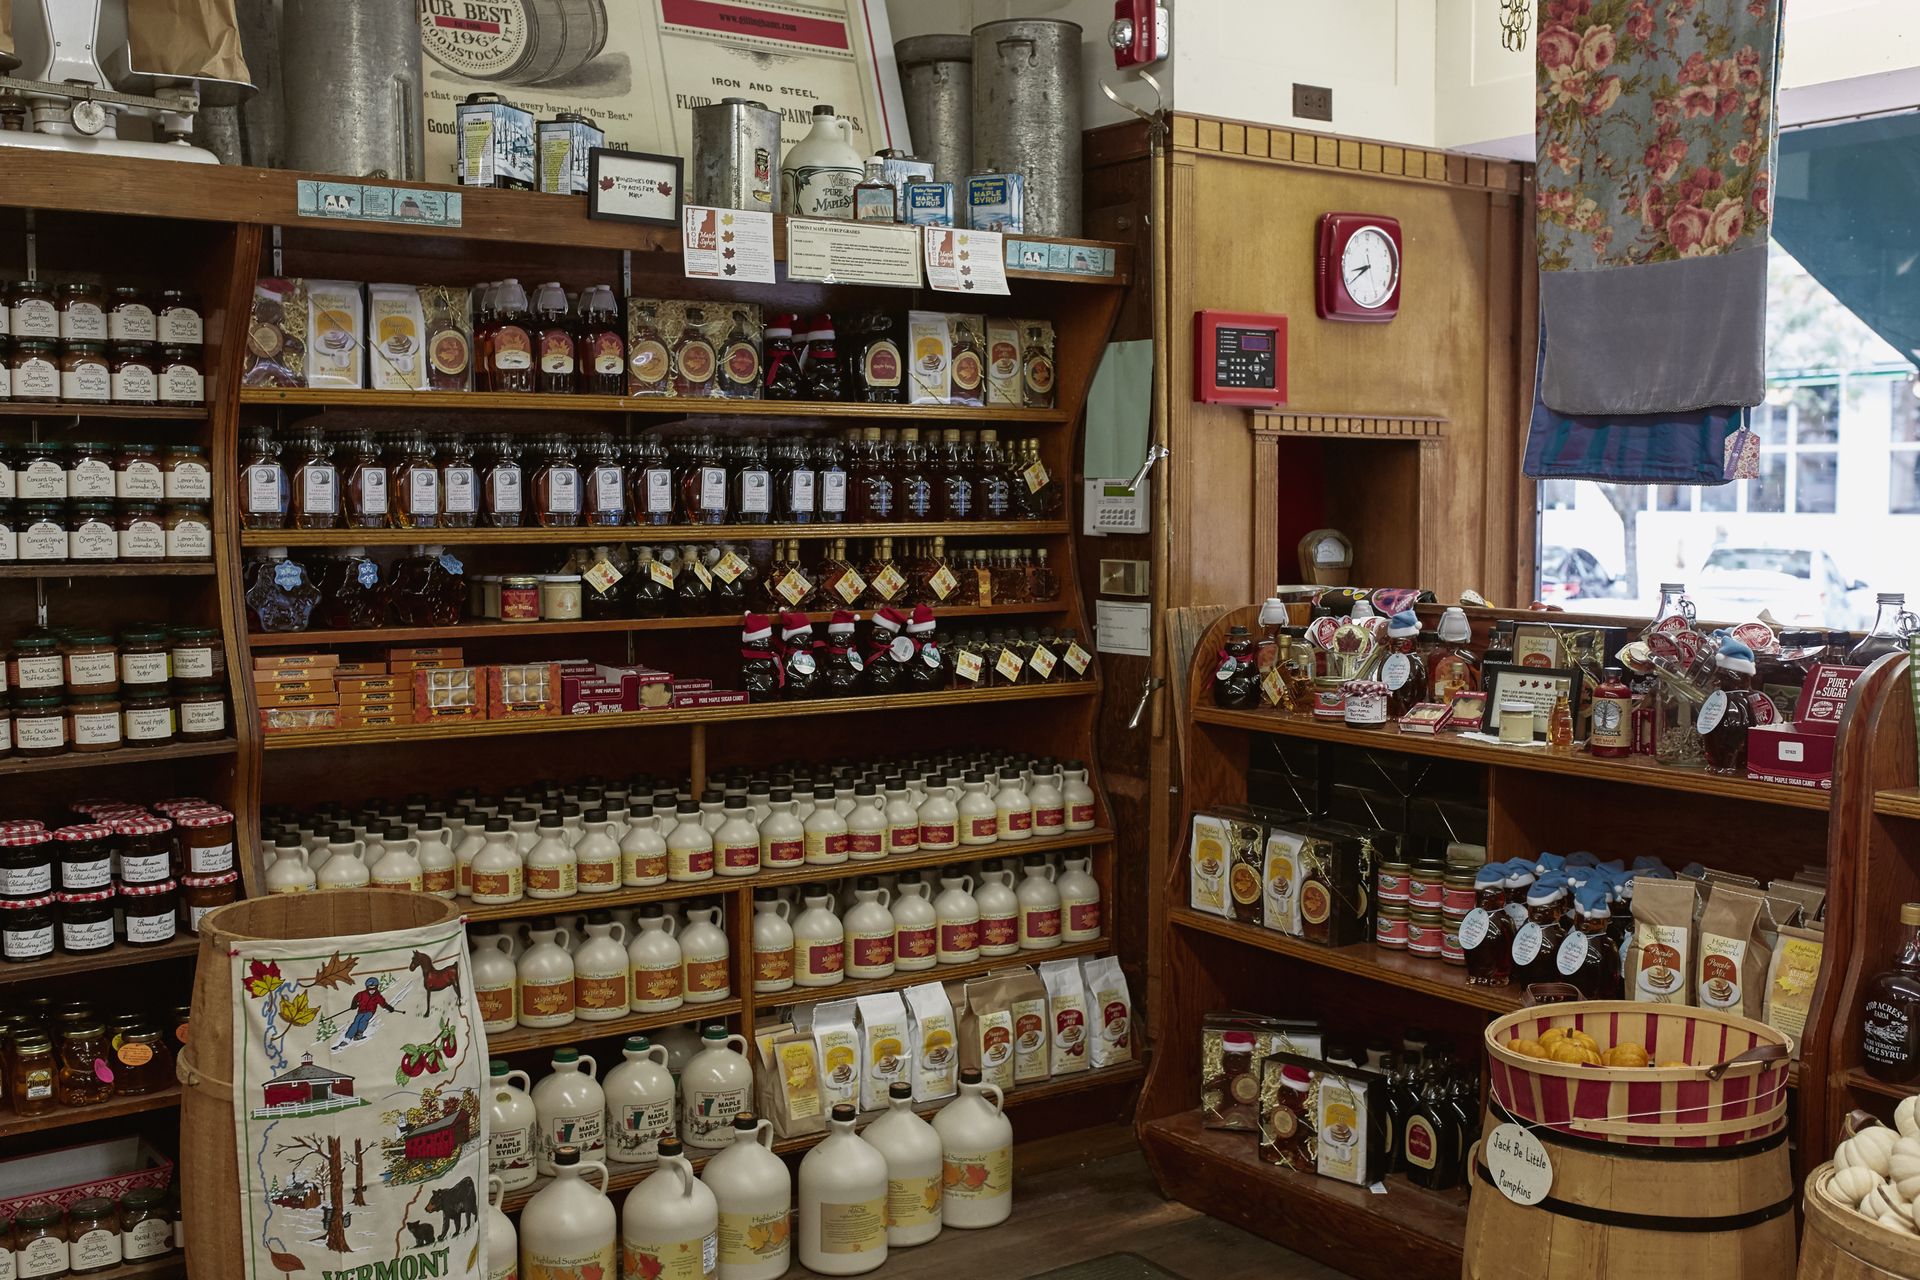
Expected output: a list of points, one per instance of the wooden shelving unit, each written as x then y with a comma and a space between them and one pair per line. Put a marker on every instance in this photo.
661, 406
116, 570
524, 1039
122, 412
118, 957
13, 766
647, 533
17, 1126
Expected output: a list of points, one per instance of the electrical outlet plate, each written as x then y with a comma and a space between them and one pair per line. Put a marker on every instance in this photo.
1312, 102
1124, 578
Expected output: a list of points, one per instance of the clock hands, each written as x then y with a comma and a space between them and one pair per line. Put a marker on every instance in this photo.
1364, 268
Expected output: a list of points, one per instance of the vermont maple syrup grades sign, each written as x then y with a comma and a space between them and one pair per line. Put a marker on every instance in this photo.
358, 1065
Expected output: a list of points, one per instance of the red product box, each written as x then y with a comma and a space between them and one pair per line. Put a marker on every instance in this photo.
519, 691
585, 693
458, 693
709, 698
1822, 698
1794, 754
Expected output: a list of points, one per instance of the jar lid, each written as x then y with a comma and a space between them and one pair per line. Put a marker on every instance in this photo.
36, 701
139, 446
141, 826
198, 818
78, 288
23, 904
36, 640
42, 510
127, 292
35, 344
16, 825
91, 506
143, 1198
99, 895
83, 831
87, 348
191, 450
173, 804
22, 839
202, 882
195, 633
1424, 915
91, 1207
197, 507
40, 1215
88, 637
143, 635
148, 890
90, 446
559, 577
202, 691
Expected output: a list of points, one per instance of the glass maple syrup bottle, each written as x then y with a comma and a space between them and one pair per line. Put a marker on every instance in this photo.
510, 348
821, 377
740, 361
651, 588
953, 477
1486, 934
703, 484
1587, 956
554, 341
649, 364
695, 363
692, 584
1890, 1010
599, 346
782, 359
873, 481
993, 490
1451, 668
1537, 941
1404, 671
915, 483
1726, 714
834, 481
1430, 1147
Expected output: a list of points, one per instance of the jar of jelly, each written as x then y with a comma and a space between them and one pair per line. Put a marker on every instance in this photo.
139, 532
26, 928
184, 474
93, 1234
84, 375
143, 844
35, 369
86, 921
83, 312
136, 473
43, 472
130, 316
39, 725
26, 863
42, 536
93, 537
189, 531
178, 318
31, 312
150, 913
90, 470
209, 844
143, 1061
86, 857
201, 894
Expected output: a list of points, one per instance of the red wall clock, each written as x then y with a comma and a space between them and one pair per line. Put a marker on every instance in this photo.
1359, 267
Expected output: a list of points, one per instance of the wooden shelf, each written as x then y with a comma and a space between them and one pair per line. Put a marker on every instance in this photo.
1898, 802
1407, 1234
1537, 759
1857, 1078
11, 766
154, 413
172, 1265
13, 1126
656, 406
530, 908
479, 630
118, 569
849, 988
620, 1177
459, 729
587, 535
119, 956
579, 1030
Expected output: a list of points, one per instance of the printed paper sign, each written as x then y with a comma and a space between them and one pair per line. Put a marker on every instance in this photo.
965, 261
853, 253
727, 244
368, 202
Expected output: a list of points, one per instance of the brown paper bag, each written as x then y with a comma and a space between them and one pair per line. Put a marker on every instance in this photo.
986, 1031
786, 1078
198, 38
1660, 961
1731, 973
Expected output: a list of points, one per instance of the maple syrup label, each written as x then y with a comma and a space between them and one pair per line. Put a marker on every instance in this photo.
958, 939
1043, 661
1008, 664
913, 1202
773, 966
1035, 475
904, 839
793, 586
704, 574
707, 976
742, 364
554, 882
606, 874
1039, 375
546, 999
860, 1227
637, 869
740, 857
1571, 955
656, 984
999, 931
441, 880
873, 950
1473, 928
936, 836
866, 844
1422, 1146
1049, 819
1316, 903
556, 352
1083, 918
824, 958
942, 583
822, 846
731, 566
967, 666
689, 864
449, 352
850, 585
637, 1130
1042, 924
748, 1239
648, 363
977, 1175
966, 370
983, 828
660, 573
1526, 943
512, 348
696, 361
600, 993
496, 1006
914, 944
888, 582
1002, 358
606, 355
784, 853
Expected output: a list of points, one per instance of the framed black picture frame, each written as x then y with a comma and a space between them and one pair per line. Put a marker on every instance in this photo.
634, 186
1538, 686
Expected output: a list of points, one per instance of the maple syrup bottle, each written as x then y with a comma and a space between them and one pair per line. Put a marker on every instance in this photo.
1726, 715
878, 369
873, 481
993, 491
740, 361
833, 481
486, 319
795, 484
953, 477
352, 597
888, 652
914, 486
449, 350
1486, 933
1890, 1010
649, 364
692, 585
1450, 667
510, 348
840, 583
598, 346
842, 670
459, 483
820, 373
553, 340
802, 658
782, 358
733, 578
752, 485
651, 591
703, 485
885, 582
1587, 957
1430, 1148
504, 484
695, 363
556, 485
1536, 943
604, 586
1042, 584
759, 665
1404, 671
1036, 372
650, 480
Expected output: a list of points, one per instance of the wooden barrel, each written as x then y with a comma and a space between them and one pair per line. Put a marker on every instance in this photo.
1722, 1213
209, 1162
1841, 1244
529, 42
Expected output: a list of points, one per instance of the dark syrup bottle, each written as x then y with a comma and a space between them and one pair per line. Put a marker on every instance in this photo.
1890, 1011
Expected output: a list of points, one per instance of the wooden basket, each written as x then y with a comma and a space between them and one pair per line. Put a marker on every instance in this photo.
1841, 1244
1736, 1093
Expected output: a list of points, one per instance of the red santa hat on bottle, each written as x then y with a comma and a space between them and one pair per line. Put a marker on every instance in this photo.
795, 629
920, 625
755, 628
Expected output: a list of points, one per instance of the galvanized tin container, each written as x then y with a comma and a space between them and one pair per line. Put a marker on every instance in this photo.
563, 145
736, 155
353, 88
1026, 115
936, 79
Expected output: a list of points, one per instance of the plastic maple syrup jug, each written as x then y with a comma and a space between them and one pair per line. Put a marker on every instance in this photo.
825, 831
903, 818
569, 1226
545, 978
979, 820
704, 953
959, 918
503, 1243
345, 866
669, 1226
468, 847
1039, 906
512, 1122
819, 941
939, 817
600, 970
596, 856
1013, 807
843, 1201
640, 1098
439, 869
1079, 900
915, 925
976, 1154
643, 851
552, 869
689, 846
1078, 796
656, 962
754, 1192
497, 873
783, 837
772, 943
495, 977
290, 871
1049, 802
571, 1108
869, 931
999, 910
912, 1150
866, 825
715, 1086
736, 842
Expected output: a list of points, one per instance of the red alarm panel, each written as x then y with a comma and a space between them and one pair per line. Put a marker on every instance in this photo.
1239, 357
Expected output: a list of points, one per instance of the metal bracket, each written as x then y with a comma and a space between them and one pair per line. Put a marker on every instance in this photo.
1156, 122
1146, 691
278, 270
1155, 452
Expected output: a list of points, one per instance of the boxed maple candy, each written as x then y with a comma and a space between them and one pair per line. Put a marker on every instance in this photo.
1799, 752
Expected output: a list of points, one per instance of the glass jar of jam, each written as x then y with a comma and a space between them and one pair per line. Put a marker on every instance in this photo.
30, 310
26, 928
9, 463
143, 1059
150, 913
84, 375
86, 857
146, 717
35, 367
201, 712
86, 921
146, 1228
93, 1234
520, 598
143, 660
6, 726
182, 381
198, 655
36, 665
178, 319
189, 531
209, 840
26, 863
315, 500
130, 316
92, 536
43, 472
263, 482
93, 722
42, 536
90, 470
139, 531
143, 844
184, 476
202, 894
81, 1076
40, 1242
82, 309
133, 373
93, 662
39, 725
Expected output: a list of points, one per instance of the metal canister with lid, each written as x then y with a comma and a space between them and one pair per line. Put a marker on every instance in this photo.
736, 155
1026, 116
564, 146
936, 79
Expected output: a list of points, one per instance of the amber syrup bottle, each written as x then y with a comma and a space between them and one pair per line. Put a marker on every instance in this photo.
1726, 715
915, 485
510, 350
1537, 941
1486, 934
1430, 1149
651, 589
556, 373
1890, 1010
649, 365
1588, 957
993, 491
692, 585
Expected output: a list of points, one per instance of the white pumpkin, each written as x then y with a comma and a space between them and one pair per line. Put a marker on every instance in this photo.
1894, 1222
1904, 1169
1850, 1186
1874, 1148
1877, 1204
1906, 1116
1845, 1156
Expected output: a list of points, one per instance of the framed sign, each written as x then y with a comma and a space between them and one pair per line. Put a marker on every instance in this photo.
1538, 687
632, 186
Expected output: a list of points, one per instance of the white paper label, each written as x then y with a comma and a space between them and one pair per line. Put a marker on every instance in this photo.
1572, 954
1519, 1164
77, 877
139, 480
1395, 670
43, 478
189, 540
36, 379
135, 384
193, 663
320, 490
659, 491
148, 724
151, 928
92, 478
95, 540
35, 318
373, 491
182, 384
180, 327
755, 495
88, 937
833, 491
1526, 943
27, 882
1711, 712
263, 489
90, 668
206, 860
563, 490
506, 491
143, 668
131, 322
609, 490
423, 492
43, 540
461, 498
145, 868
800, 491
190, 480
27, 944
1473, 928
713, 489
209, 716
83, 322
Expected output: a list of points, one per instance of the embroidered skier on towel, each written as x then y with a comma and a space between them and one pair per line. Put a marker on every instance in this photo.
366, 1003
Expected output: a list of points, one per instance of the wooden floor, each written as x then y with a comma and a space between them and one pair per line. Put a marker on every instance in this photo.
1087, 1195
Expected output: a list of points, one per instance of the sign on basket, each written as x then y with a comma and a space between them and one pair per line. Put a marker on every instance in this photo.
1519, 1164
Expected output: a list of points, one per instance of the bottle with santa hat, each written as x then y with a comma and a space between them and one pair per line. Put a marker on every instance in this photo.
782, 358
925, 672
842, 669
801, 657
760, 668
888, 652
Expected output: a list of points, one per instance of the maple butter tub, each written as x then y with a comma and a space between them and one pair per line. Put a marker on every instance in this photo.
209, 1165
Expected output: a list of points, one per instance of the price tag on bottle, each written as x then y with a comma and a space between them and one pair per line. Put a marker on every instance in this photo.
1079, 659
888, 582
967, 666
943, 582
793, 586
1043, 661
1009, 664
731, 566
850, 586
701, 572
660, 573
1036, 476
603, 576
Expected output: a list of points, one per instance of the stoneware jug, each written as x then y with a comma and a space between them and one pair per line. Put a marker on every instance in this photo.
772, 942
569, 1226
976, 1153
512, 1123
754, 1193
640, 1112
843, 1201
670, 1221
655, 960
545, 979
704, 953
715, 1086
912, 1150
571, 1107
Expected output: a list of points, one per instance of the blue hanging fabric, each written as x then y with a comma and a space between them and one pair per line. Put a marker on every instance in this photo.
1647, 448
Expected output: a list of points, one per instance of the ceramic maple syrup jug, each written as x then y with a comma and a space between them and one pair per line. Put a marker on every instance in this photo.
939, 816
704, 953
715, 1086
1078, 796
819, 940
497, 873
772, 943
1039, 906
552, 870
503, 1243
1079, 900
1049, 802
569, 1226
915, 924
979, 821
959, 918
670, 1225
600, 970
656, 963
999, 910
643, 851
571, 1107
345, 866
976, 1153
545, 978
596, 855
495, 976
903, 818
640, 1095
439, 869
913, 1152
869, 931
843, 1201
754, 1192
512, 1123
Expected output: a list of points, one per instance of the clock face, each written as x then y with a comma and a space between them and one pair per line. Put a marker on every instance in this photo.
1369, 267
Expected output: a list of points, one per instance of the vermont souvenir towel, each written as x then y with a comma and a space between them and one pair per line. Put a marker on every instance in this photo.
1654, 132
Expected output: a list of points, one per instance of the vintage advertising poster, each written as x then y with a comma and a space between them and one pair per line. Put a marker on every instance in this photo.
358, 1071
639, 67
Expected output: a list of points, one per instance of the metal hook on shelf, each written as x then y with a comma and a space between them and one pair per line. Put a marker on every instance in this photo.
1146, 691
1153, 118
1155, 452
